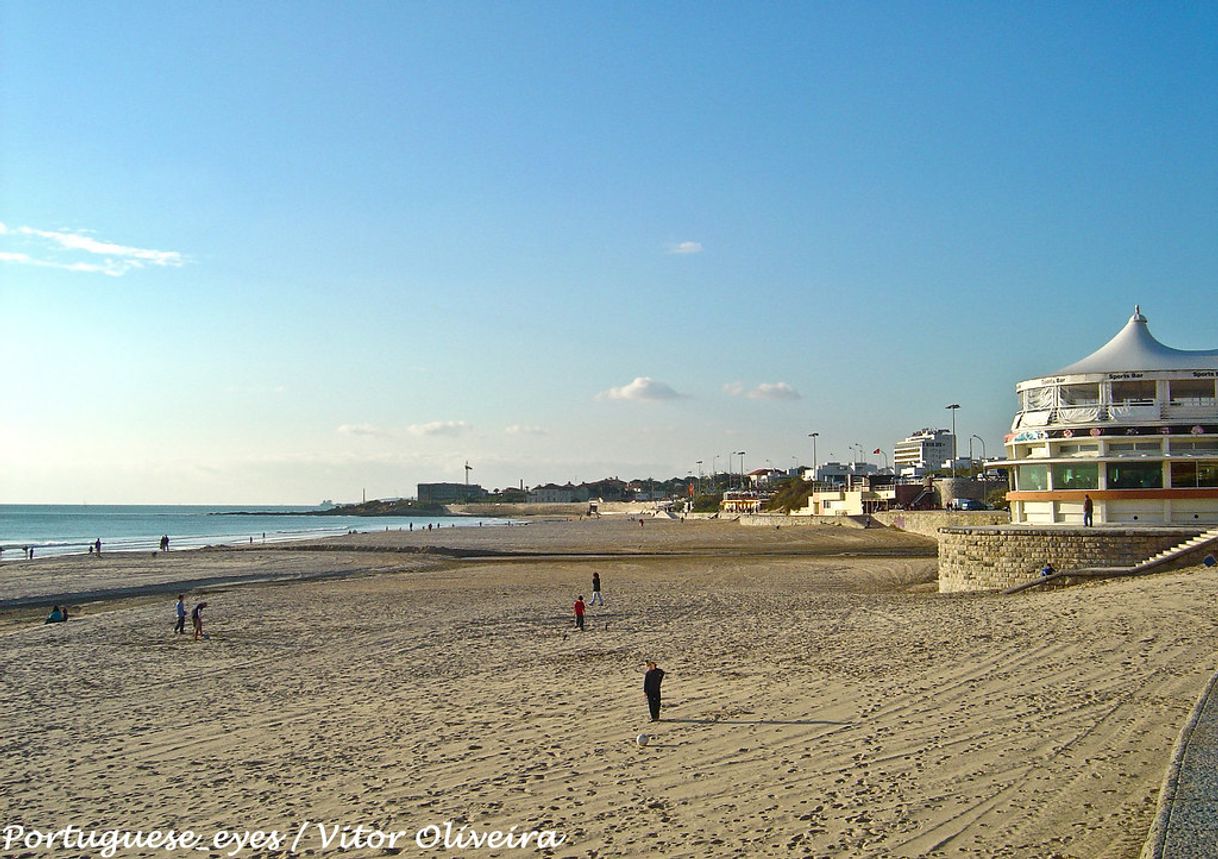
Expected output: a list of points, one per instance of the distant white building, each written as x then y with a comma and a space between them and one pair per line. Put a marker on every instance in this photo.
839, 473
924, 450
554, 494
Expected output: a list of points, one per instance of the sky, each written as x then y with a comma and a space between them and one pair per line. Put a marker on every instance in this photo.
276, 253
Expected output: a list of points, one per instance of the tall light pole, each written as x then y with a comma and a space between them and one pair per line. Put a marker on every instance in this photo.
952, 408
699, 464
813, 436
715, 473
740, 453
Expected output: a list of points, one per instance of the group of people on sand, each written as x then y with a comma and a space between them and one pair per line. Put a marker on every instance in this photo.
196, 617
597, 599
654, 675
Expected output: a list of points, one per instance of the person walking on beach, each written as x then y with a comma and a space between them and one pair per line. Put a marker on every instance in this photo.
597, 599
97, 546
196, 617
180, 610
651, 688
1088, 509
579, 612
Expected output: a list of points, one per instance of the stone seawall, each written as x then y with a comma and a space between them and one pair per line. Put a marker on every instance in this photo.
561, 510
928, 522
782, 520
996, 558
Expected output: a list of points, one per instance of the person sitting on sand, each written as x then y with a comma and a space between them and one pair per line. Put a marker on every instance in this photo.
196, 617
1047, 569
56, 616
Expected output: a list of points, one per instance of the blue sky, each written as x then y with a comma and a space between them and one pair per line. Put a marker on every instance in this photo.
273, 253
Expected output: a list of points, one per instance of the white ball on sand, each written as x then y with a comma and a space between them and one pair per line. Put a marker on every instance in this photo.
642, 739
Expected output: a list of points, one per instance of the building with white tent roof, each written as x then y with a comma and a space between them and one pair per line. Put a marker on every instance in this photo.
1133, 427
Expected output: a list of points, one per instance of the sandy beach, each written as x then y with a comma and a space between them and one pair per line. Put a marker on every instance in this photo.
821, 699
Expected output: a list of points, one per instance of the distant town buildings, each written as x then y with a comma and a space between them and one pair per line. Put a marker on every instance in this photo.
450, 493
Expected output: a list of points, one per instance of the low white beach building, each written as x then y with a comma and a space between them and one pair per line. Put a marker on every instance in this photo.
1133, 427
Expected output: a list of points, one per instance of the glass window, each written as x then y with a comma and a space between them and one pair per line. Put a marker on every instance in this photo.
1032, 477
1135, 475
1191, 392
1139, 393
1194, 474
1078, 450
1036, 399
1079, 395
1190, 446
1134, 448
1072, 475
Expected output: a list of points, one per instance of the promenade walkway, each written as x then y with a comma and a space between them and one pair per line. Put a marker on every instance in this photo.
1186, 825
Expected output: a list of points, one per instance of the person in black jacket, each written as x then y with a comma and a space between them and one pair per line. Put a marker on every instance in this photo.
651, 688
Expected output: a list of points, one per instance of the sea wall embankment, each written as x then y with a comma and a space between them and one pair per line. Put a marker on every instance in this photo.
996, 558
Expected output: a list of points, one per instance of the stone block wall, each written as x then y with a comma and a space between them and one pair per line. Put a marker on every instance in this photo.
996, 558
928, 522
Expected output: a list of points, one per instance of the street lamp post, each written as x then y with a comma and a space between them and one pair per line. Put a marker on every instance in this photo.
699, 464
952, 408
715, 473
813, 436
740, 453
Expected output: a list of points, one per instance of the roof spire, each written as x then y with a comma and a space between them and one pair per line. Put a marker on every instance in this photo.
1137, 313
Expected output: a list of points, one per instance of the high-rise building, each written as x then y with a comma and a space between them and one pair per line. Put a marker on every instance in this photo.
924, 450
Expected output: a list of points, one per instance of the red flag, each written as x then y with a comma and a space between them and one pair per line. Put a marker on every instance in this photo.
877, 450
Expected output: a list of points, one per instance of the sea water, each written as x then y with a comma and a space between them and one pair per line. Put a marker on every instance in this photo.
70, 529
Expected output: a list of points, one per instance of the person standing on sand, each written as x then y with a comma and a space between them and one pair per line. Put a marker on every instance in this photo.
651, 688
579, 613
596, 590
180, 610
97, 546
196, 617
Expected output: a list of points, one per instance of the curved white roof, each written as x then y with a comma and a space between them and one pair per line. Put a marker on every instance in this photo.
1134, 348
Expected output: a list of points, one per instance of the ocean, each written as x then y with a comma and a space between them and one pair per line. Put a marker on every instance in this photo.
70, 529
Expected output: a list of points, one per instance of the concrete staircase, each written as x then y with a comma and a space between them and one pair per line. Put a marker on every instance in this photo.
1204, 540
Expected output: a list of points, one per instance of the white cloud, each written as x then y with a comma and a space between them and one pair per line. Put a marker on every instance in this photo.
61, 249
522, 429
439, 428
685, 248
642, 388
764, 391
364, 430
775, 391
